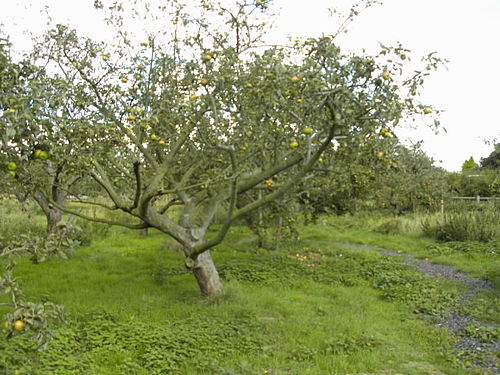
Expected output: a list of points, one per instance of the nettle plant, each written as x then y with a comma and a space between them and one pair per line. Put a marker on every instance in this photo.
181, 128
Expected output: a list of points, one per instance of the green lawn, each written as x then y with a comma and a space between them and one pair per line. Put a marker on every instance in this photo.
311, 308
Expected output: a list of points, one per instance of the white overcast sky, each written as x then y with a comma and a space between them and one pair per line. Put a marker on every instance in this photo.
466, 32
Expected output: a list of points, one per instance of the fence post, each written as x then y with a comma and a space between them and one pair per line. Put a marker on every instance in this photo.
442, 207
478, 199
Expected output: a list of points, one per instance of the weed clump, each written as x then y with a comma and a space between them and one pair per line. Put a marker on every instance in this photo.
478, 225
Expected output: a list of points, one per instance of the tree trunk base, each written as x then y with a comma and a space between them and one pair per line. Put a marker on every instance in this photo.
54, 217
207, 276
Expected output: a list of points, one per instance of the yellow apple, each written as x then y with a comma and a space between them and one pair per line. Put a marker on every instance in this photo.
427, 110
269, 182
161, 142
131, 118
19, 325
207, 57
144, 44
294, 78
380, 154
204, 81
153, 137
6, 325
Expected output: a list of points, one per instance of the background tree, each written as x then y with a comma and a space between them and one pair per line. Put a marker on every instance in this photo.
492, 161
193, 120
469, 164
411, 181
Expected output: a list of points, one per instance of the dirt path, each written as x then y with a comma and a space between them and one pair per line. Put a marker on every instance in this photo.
456, 321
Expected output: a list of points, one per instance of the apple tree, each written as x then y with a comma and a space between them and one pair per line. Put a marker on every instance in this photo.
412, 181
183, 127
31, 122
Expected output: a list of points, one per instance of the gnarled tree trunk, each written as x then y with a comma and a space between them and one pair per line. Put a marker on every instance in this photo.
52, 214
207, 276
54, 217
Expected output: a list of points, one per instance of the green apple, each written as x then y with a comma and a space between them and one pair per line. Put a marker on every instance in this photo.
204, 81
386, 75
41, 155
307, 131
12, 173
294, 145
11, 166
427, 110
386, 133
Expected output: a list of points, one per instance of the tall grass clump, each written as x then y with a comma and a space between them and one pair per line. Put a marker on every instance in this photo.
465, 222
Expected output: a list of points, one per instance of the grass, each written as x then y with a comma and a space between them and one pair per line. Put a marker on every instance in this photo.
134, 310
314, 307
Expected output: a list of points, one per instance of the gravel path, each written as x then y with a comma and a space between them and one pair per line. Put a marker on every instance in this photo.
455, 321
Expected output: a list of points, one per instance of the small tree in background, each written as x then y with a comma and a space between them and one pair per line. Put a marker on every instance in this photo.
469, 165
